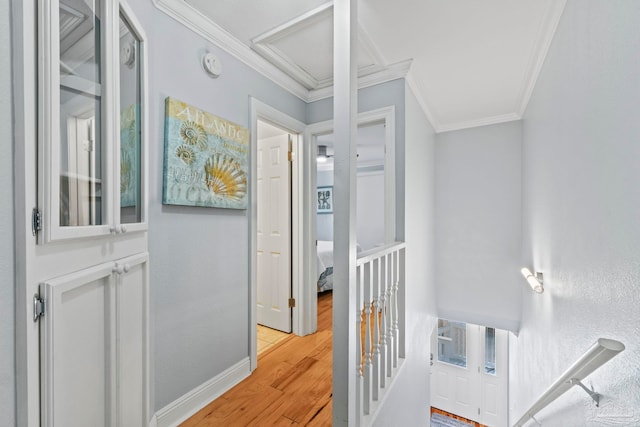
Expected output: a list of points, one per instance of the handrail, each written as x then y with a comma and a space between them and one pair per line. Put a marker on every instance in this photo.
379, 251
600, 353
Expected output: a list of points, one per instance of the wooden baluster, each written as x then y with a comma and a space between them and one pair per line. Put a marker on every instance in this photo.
389, 292
401, 301
376, 327
359, 349
367, 338
383, 319
394, 300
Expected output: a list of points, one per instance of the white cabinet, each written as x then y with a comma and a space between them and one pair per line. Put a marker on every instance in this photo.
94, 346
92, 127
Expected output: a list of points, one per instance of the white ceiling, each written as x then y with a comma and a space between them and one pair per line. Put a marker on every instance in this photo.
469, 62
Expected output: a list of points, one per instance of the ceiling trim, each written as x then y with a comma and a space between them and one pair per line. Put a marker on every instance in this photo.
492, 120
201, 25
546, 33
209, 30
391, 72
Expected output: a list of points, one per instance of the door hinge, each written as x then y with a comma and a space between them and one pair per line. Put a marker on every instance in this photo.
478, 411
292, 302
38, 307
290, 153
36, 221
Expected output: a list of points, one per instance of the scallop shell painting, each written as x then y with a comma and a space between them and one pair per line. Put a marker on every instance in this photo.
206, 159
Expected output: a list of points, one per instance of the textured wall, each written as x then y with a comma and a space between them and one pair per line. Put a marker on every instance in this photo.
581, 145
7, 365
478, 237
409, 400
199, 256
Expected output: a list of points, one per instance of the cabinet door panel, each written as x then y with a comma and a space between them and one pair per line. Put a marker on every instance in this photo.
77, 349
131, 297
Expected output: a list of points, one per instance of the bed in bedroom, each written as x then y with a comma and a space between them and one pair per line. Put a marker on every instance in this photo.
325, 265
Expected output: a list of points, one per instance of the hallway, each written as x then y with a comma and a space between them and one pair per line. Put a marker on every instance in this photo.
291, 386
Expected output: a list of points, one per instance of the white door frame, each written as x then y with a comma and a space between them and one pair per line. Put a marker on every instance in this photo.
25, 146
299, 224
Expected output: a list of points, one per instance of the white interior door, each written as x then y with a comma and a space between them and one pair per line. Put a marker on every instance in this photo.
469, 375
494, 377
455, 385
274, 233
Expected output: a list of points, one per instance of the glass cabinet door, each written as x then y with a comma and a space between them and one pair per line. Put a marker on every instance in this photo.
91, 133
81, 108
131, 165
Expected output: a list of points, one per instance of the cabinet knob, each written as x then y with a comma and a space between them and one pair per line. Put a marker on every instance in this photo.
123, 229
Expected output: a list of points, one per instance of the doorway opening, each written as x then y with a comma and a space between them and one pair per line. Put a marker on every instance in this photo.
469, 374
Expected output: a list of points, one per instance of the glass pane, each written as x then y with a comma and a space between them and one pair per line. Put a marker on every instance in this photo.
130, 129
490, 351
80, 114
452, 342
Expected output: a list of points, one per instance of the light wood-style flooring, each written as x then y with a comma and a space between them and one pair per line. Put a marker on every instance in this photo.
291, 386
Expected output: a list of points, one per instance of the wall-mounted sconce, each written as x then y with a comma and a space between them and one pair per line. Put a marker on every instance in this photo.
322, 154
535, 281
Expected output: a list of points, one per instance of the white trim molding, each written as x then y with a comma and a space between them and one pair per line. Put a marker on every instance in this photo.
191, 402
209, 30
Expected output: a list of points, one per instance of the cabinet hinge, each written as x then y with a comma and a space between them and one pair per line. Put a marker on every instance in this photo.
38, 307
292, 302
36, 221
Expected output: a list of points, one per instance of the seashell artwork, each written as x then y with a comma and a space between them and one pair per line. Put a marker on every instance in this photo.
193, 134
206, 159
225, 177
186, 154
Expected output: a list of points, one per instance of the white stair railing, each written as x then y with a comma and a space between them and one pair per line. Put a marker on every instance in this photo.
379, 321
600, 353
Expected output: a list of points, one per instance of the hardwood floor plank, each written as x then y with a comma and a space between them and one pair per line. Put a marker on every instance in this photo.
291, 386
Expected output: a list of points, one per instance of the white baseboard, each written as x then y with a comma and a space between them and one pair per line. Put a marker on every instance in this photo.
185, 406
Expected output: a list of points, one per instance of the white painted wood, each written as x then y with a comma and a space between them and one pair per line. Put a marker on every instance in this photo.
77, 349
185, 406
140, 34
456, 389
469, 391
132, 340
378, 355
71, 256
494, 387
274, 233
344, 242
303, 227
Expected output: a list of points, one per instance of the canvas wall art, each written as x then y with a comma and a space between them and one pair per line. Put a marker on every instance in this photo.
206, 159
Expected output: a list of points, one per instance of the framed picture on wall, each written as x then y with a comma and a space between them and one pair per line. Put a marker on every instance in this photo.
325, 199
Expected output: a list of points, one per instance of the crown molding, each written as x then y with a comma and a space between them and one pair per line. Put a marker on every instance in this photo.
195, 21
485, 121
546, 33
422, 102
395, 71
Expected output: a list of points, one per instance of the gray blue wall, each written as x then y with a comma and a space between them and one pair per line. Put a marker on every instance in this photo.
7, 270
199, 257
408, 403
478, 211
581, 204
